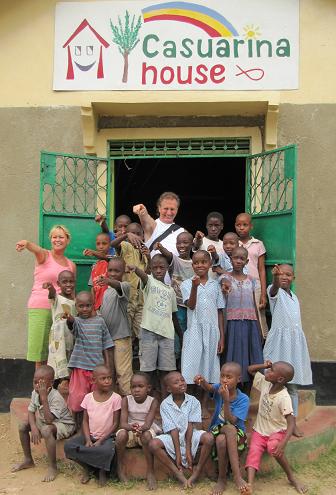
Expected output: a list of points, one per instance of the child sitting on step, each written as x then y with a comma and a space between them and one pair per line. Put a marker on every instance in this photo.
275, 422
137, 425
48, 417
177, 447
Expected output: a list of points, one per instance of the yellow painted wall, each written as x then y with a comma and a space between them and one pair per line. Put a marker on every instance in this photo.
26, 61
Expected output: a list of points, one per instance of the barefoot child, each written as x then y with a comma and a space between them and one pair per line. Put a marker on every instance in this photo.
180, 269
204, 339
286, 340
228, 423
243, 337
159, 321
60, 338
48, 417
95, 446
137, 425
275, 423
256, 253
92, 341
114, 312
177, 447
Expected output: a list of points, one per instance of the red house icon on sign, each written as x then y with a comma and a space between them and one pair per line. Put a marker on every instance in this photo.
82, 50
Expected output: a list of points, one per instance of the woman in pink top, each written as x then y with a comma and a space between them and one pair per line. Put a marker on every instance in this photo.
47, 268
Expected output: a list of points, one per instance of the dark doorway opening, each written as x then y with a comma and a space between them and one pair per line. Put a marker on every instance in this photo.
203, 184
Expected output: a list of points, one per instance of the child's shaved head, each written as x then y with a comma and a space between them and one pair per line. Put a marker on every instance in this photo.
44, 372
84, 295
101, 368
244, 217
285, 369
240, 251
233, 367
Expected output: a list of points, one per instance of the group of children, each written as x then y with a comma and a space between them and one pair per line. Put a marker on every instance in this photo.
212, 313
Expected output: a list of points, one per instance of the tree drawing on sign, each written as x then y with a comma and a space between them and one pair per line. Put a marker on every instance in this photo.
126, 37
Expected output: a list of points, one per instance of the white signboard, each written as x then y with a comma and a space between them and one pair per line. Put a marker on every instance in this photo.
177, 45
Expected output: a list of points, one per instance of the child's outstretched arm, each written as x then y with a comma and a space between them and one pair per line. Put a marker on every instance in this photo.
51, 289
201, 381
167, 254
141, 274
101, 219
129, 236
147, 222
191, 303
115, 284
39, 253
198, 239
262, 276
253, 368
213, 253
96, 254
276, 272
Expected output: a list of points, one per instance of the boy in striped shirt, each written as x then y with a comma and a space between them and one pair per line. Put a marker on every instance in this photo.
92, 341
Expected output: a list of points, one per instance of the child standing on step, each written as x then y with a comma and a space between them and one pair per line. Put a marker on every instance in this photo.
95, 446
138, 426
48, 417
177, 447
99, 269
256, 253
275, 423
286, 340
92, 341
204, 338
180, 269
243, 337
159, 321
114, 312
228, 423
61, 340
131, 248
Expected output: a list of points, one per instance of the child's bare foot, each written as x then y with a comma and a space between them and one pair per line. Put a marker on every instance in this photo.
26, 464
193, 478
219, 487
182, 479
121, 474
151, 482
299, 487
205, 413
241, 485
102, 478
297, 433
51, 474
247, 489
85, 477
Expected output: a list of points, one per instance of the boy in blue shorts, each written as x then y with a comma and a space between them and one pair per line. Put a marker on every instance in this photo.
228, 423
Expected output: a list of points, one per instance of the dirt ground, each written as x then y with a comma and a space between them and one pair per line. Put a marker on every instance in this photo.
319, 477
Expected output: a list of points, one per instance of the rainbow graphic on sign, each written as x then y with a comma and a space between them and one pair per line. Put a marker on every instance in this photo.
209, 20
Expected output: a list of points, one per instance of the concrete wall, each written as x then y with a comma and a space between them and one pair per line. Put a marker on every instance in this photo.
23, 133
313, 129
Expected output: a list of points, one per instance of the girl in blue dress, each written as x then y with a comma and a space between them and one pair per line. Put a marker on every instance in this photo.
243, 334
203, 340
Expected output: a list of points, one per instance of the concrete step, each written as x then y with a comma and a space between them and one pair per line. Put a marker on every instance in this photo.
319, 428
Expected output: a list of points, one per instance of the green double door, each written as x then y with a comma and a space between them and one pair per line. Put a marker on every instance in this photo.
74, 189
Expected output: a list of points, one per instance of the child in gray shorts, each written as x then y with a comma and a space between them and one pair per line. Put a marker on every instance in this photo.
159, 321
